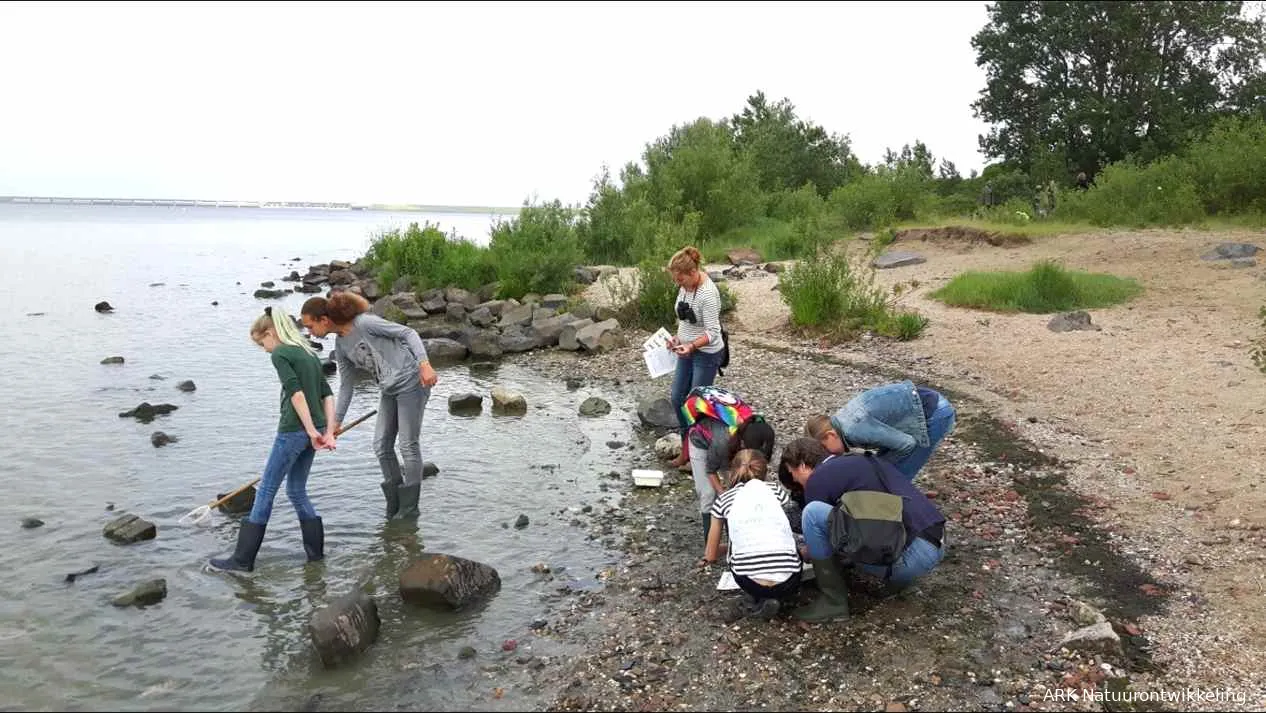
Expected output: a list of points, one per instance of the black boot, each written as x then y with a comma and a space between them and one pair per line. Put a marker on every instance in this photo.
313, 538
707, 525
249, 538
408, 495
390, 491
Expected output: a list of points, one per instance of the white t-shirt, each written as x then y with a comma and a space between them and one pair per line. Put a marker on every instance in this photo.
761, 543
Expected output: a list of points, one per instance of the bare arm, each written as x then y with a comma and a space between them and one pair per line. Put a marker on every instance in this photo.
300, 402
714, 540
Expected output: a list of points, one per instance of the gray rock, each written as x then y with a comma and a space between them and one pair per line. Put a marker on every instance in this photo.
521, 522
554, 301
739, 256
604, 313
429, 470
340, 265
585, 275
435, 304
494, 307
520, 316
456, 295
263, 294
599, 337
583, 310
345, 628
129, 529
1070, 321
1098, 639
531, 298
465, 404
159, 439
369, 288
30, 523
437, 328
112, 360
773, 267
668, 446
483, 342
547, 331
456, 312
1236, 262
187, 386
144, 594
342, 277
898, 258
1086, 615
103, 307
508, 402
487, 292
467, 652
414, 313
516, 340
567, 336
658, 413
447, 582
482, 317
594, 406
445, 351
405, 301
1231, 251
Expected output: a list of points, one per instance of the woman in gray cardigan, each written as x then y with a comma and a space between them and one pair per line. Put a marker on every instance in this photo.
395, 356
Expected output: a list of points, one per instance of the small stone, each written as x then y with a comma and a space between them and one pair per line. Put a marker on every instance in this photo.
508, 402
521, 522
112, 360
594, 406
430, 470
144, 594
30, 523
160, 439
467, 652
103, 307
187, 386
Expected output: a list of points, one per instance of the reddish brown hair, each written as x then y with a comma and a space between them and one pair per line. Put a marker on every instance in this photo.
342, 307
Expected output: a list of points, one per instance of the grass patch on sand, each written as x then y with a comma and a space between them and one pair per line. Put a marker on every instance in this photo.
1044, 288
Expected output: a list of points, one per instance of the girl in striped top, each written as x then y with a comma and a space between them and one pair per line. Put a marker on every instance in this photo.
698, 343
762, 555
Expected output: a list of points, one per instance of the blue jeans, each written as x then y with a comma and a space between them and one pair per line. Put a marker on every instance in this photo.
290, 460
940, 423
698, 369
919, 558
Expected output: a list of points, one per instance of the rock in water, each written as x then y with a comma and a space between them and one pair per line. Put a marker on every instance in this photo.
146, 412
187, 386
465, 404
447, 582
594, 406
508, 402
127, 529
103, 307
264, 294
345, 628
668, 447
30, 523
144, 594
112, 360
521, 522
160, 439
430, 470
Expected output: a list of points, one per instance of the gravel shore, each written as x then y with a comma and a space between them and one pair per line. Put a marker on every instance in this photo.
1027, 564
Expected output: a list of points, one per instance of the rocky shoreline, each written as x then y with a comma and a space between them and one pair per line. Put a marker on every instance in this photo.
1033, 602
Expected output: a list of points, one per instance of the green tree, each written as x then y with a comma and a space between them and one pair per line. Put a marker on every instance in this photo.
788, 152
1073, 86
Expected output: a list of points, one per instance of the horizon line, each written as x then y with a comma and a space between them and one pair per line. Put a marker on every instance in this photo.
240, 203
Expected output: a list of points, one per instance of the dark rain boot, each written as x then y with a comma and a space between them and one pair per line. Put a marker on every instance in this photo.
408, 495
249, 538
707, 525
832, 601
313, 538
390, 491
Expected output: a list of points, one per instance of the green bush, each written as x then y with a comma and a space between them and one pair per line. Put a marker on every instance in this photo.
537, 251
1160, 193
864, 204
429, 258
834, 294
1228, 167
1046, 287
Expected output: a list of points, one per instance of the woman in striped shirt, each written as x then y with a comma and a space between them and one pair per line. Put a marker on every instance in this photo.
698, 342
763, 556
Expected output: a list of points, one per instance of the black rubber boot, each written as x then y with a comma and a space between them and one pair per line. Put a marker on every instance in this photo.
313, 538
832, 601
249, 538
408, 495
707, 525
390, 491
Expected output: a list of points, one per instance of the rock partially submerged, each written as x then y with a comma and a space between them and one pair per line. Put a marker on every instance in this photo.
129, 529
508, 402
144, 594
266, 294
160, 439
345, 628
594, 406
112, 360
447, 582
187, 386
103, 307
30, 523
429, 470
465, 404
147, 412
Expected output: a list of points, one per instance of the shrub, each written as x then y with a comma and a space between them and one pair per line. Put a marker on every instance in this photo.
429, 258
833, 294
864, 204
1046, 287
1160, 193
1228, 167
537, 251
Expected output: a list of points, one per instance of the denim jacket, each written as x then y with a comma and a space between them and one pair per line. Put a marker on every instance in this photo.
888, 419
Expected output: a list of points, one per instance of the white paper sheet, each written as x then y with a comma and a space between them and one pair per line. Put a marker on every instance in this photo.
660, 360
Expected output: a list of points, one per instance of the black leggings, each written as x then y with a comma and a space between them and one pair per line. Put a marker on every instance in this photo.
782, 590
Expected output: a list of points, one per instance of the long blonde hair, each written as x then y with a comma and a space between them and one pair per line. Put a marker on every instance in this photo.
282, 325
748, 464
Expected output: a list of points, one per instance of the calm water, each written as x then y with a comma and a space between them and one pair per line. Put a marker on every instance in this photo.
220, 642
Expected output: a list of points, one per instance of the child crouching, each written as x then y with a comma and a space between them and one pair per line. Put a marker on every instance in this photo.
762, 555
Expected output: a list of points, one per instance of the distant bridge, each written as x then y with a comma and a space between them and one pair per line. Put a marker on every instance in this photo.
175, 202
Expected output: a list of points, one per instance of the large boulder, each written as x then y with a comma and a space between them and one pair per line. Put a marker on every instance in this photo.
494, 307
345, 628
547, 331
567, 335
128, 529
342, 277
658, 413
433, 302
516, 339
465, 298
520, 316
482, 317
446, 582
508, 402
444, 351
483, 342
599, 337
436, 328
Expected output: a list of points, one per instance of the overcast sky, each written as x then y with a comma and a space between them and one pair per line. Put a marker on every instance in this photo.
439, 103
